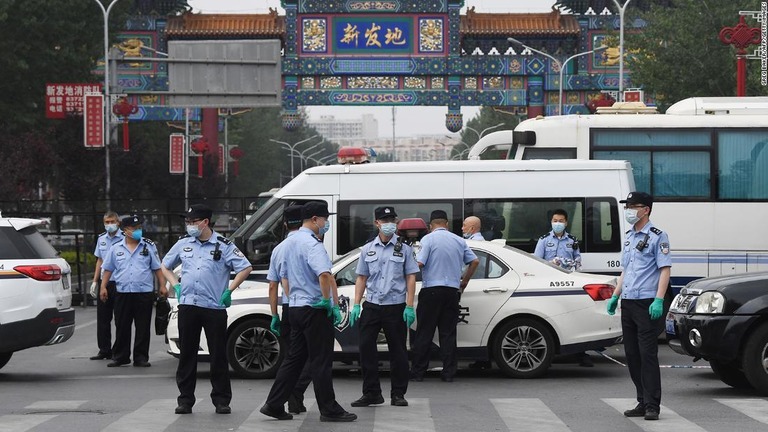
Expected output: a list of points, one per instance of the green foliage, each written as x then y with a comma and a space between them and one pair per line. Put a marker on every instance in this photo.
87, 260
679, 54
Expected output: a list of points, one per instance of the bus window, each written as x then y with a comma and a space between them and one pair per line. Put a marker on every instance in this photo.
743, 164
549, 153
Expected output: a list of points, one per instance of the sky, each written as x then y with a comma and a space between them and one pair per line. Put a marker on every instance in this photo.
409, 121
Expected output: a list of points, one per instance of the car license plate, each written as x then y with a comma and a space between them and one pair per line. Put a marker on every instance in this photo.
65, 282
670, 323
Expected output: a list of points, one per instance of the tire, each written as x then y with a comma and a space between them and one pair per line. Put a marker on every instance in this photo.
730, 374
253, 350
524, 348
5, 358
754, 361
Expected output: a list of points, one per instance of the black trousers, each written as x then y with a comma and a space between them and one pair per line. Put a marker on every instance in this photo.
306, 376
438, 308
193, 319
311, 338
390, 319
132, 310
641, 347
104, 312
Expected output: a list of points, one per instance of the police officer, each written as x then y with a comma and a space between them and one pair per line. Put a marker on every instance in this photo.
558, 246
310, 284
471, 228
386, 273
441, 258
205, 292
642, 287
130, 263
277, 275
105, 309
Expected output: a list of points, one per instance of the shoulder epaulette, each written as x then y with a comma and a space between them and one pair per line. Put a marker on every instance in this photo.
655, 230
224, 240
148, 241
316, 238
183, 236
544, 236
570, 236
103, 234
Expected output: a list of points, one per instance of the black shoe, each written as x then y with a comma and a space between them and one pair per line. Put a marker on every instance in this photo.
223, 409
447, 378
480, 365
651, 414
586, 361
142, 364
117, 363
279, 414
416, 377
367, 400
183, 409
295, 405
637, 411
343, 417
101, 356
398, 400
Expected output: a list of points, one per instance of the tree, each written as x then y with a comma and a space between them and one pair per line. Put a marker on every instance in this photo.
486, 118
679, 55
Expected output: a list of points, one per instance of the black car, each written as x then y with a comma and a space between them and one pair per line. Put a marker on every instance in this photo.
724, 320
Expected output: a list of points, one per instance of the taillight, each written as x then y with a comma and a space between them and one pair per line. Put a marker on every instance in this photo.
48, 272
599, 291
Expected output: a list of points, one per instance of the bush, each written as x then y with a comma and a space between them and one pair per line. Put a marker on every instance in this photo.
87, 260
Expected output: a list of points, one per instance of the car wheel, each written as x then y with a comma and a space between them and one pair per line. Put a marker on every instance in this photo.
730, 374
523, 348
253, 350
755, 359
5, 358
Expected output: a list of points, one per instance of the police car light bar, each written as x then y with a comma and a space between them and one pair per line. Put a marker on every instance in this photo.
352, 155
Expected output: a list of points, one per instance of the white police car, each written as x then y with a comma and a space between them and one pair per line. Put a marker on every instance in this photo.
35, 295
518, 310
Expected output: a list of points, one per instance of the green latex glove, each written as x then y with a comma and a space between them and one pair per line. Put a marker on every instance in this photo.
656, 308
275, 324
409, 316
177, 290
336, 314
226, 298
612, 303
324, 303
354, 315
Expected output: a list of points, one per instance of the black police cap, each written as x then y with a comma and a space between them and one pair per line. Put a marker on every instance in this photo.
130, 221
198, 211
438, 214
384, 212
638, 198
292, 214
315, 208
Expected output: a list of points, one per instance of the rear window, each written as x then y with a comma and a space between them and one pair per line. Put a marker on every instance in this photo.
27, 243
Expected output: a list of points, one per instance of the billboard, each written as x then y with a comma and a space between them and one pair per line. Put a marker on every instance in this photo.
176, 159
93, 120
63, 99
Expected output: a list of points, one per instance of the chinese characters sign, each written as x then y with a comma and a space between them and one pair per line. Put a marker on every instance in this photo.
62, 100
93, 120
176, 150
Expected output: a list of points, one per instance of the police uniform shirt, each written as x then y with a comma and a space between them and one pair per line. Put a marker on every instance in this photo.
641, 268
305, 259
277, 266
132, 271
106, 241
203, 277
476, 236
442, 266
386, 269
550, 246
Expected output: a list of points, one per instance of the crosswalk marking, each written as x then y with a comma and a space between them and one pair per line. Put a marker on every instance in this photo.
417, 416
524, 414
668, 419
258, 422
56, 405
25, 422
754, 408
154, 415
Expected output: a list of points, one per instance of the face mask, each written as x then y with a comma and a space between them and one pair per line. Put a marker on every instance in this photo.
137, 234
324, 229
111, 228
388, 229
194, 230
467, 235
630, 215
558, 227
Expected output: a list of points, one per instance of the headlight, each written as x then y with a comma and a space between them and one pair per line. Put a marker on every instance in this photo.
710, 302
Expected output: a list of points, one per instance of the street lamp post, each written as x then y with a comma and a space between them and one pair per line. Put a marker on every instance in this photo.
482, 133
302, 158
107, 102
561, 66
622, 9
327, 159
292, 147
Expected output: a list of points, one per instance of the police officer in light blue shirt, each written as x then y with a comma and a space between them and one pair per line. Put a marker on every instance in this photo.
442, 256
558, 246
131, 264
105, 309
642, 286
205, 292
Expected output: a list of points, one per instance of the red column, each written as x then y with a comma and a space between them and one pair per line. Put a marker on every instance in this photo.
210, 130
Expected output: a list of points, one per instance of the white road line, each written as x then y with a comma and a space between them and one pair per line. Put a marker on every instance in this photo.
754, 408
417, 416
100, 377
84, 325
668, 419
258, 422
56, 405
21, 422
524, 414
152, 416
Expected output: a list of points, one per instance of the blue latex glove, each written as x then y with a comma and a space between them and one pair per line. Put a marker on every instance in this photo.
409, 316
656, 308
336, 314
354, 315
275, 324
226, 298
177, 290
612, 303
324, 303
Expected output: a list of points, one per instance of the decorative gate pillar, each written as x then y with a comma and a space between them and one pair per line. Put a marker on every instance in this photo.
535, 96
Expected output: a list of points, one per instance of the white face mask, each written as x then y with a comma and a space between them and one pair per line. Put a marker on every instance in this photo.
194, 230
630, 215
558, 227
111, 228
388, 228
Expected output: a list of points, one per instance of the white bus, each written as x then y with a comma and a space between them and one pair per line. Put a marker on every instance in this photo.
705, 162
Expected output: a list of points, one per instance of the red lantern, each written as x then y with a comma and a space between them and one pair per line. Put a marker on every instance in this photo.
125, 109
200, 146
236, 154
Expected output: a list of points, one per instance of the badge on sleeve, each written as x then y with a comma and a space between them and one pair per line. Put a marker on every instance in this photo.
238, 253
664, 248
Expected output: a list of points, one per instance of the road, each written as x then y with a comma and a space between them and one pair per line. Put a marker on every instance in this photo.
58, 388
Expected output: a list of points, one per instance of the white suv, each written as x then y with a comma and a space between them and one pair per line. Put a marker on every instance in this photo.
35, 295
